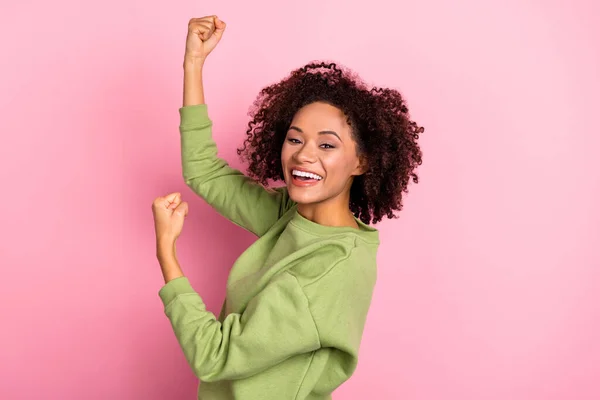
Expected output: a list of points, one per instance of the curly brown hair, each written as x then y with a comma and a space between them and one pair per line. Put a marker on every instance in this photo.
380, 124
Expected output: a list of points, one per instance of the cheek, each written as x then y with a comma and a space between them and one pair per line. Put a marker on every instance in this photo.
335, 163
284, 153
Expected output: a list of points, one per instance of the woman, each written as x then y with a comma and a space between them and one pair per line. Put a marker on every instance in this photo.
298, 298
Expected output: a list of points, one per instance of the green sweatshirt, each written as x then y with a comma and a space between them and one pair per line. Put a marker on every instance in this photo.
296, 300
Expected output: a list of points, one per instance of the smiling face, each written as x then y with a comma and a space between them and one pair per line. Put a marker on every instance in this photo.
319, 156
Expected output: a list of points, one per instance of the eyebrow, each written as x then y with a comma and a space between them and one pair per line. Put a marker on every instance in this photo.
295, 128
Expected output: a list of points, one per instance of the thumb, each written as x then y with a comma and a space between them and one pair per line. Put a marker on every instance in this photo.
175, 201
182, 209
219, 28
171, 196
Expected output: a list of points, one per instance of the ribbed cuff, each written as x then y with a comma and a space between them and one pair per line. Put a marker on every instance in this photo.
195, 116
174, 288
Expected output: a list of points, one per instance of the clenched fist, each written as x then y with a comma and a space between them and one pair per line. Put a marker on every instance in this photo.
169, 213
203, 35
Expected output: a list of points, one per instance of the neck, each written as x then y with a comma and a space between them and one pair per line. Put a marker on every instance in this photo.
331, 213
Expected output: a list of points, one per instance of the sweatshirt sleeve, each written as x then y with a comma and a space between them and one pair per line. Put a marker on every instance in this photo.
234, 195
276, 325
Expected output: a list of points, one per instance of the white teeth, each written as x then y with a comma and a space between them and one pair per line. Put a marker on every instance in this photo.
306, 174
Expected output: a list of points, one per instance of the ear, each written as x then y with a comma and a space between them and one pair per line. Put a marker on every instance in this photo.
363, 166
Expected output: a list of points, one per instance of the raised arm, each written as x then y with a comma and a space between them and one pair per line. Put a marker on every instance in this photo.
234, 195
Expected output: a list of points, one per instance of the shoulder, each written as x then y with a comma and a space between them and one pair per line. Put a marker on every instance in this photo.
339, 296
286, 203
343, 266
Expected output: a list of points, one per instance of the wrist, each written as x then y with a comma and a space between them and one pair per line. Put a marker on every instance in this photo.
193, 62
167, 258
165, 247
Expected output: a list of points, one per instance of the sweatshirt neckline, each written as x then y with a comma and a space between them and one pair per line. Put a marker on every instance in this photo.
365, 231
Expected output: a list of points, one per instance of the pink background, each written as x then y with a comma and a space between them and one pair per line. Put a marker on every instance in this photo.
489, 282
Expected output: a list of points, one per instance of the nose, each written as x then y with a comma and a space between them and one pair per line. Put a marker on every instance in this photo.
306, 154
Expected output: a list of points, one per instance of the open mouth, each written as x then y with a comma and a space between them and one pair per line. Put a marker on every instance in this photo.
305, 178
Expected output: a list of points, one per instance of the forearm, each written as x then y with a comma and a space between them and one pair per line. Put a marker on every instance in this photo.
193, 90
167, 258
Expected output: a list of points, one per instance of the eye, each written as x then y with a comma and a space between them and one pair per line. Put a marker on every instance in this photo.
294, 141
327, 146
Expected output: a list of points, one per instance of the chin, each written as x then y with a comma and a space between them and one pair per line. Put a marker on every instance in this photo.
303, 195
302, 198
